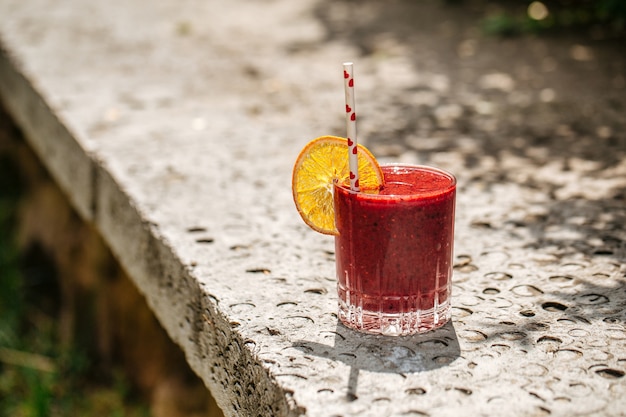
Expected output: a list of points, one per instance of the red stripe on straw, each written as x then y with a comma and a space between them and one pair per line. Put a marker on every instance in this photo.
348, 78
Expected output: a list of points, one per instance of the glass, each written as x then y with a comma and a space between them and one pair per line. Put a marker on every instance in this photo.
394, 251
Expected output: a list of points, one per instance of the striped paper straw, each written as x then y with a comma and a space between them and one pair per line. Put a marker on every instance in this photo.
348, 79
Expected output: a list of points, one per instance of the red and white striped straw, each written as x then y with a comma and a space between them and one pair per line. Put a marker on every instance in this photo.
348, 79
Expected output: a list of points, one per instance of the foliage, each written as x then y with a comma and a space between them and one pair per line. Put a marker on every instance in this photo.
513, 18
38, 376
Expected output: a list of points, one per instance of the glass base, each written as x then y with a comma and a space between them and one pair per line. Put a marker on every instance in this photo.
394, 324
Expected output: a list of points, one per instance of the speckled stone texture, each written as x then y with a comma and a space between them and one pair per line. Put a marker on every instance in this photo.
173, 126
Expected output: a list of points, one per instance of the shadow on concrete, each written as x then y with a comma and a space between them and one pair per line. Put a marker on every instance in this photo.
596, 228
564, 94
400, 355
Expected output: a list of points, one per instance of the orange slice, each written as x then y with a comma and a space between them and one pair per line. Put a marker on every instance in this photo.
321, 163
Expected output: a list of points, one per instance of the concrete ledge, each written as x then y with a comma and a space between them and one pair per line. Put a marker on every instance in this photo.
174, 133
49, 136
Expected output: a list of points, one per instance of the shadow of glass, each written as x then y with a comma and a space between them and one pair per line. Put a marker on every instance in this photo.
400, 355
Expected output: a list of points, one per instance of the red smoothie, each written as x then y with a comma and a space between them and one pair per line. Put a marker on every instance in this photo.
394, 251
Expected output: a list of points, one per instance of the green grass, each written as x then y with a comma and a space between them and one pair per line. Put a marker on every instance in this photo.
38, 376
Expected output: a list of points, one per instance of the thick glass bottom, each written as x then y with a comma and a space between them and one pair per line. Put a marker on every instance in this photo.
394, 324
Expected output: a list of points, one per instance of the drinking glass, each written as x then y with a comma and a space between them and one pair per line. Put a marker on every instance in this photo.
394, 251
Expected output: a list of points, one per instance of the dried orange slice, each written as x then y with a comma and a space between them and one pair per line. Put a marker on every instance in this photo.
322, 162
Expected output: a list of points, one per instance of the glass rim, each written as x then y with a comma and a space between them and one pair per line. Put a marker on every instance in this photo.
433, 194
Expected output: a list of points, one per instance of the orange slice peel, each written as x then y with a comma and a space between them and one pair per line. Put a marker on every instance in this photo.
320, 164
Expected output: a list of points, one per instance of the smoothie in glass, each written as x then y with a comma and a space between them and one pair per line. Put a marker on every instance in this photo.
394, 251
